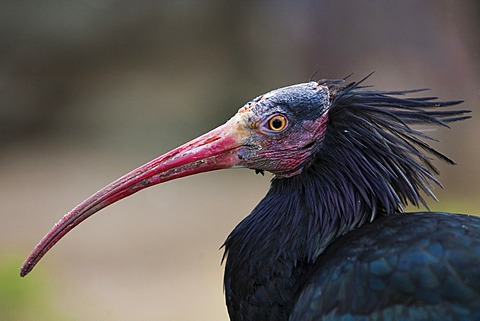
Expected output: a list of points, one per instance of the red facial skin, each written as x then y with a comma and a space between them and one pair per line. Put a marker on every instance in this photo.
286, 155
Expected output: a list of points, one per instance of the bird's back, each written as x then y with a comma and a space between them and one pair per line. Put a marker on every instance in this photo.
415, 266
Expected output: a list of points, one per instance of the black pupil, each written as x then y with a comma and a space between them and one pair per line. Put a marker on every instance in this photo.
277, 123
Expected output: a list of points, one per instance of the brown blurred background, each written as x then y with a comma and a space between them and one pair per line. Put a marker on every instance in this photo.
91, 89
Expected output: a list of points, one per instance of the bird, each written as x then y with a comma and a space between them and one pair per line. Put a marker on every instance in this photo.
331, 239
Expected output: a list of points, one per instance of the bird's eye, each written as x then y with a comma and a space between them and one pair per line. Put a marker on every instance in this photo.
277, 123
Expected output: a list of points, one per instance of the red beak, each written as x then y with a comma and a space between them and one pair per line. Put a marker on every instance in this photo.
214, 150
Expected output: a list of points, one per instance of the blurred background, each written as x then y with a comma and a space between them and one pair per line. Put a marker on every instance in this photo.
91, 89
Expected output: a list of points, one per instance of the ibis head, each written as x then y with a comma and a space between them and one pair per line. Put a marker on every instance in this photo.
275, 132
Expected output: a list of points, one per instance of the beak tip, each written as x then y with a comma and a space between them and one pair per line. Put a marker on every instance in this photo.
28, 265
24, 270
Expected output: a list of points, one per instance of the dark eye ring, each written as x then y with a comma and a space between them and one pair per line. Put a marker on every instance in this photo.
277, 123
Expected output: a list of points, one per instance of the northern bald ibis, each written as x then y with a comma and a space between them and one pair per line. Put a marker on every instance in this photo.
330, 240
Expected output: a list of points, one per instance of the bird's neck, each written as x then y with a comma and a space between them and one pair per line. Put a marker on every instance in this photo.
370, 161
271, 250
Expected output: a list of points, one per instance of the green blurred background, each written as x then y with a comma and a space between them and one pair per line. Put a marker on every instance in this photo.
92, 89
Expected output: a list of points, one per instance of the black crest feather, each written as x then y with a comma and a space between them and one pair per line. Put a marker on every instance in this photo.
370, 136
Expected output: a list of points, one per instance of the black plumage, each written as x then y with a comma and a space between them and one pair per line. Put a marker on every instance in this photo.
370, 165
329, 241
417, 266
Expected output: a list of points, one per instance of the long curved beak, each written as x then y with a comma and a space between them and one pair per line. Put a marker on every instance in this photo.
214, 150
